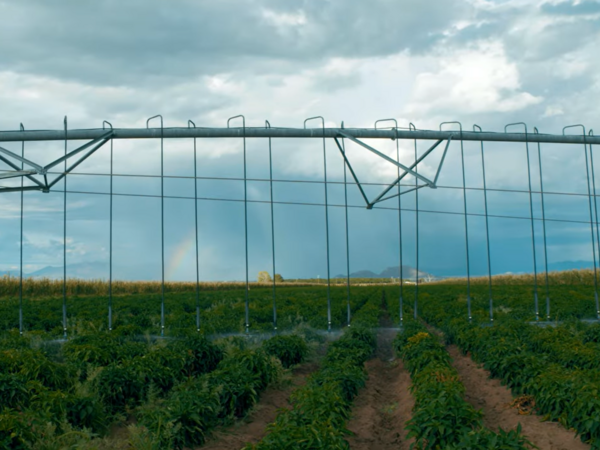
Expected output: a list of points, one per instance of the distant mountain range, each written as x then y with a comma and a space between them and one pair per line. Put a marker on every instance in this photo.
568, 265
408, 273
85, 271
99, 270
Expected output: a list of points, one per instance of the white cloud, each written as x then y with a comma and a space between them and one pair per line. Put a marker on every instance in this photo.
474, 80
41, 206
553, 110
284, 20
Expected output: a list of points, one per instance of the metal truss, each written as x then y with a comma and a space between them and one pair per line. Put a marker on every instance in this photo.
99, 137
42, 171
38, 177
407, 170
98, 141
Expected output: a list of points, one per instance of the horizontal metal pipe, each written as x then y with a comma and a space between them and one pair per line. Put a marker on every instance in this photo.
359, 133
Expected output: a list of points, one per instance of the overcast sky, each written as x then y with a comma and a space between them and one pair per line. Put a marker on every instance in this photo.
424, 61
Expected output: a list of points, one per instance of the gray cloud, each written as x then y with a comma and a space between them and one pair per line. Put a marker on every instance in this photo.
151, 42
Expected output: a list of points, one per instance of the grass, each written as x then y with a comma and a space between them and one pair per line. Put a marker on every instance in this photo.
46, 287
565, 277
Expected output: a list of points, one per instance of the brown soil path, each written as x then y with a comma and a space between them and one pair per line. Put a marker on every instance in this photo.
253, 428
382, 408
493, 398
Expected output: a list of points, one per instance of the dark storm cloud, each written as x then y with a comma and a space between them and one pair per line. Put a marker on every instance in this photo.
127, 43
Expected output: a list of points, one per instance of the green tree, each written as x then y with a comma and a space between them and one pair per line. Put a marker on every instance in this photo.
278, 278
264, 277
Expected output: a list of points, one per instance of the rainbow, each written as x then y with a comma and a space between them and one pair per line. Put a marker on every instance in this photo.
186, 247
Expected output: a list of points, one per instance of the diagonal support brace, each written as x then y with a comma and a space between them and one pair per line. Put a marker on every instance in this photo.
402, 193
381, 198
18, 169
351, 170
38, 169
21, 189
16, 173
83, 158
103, 138
387, 158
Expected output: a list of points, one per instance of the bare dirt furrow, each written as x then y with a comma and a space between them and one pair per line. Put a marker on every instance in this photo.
494, 399
253, 428
382, 408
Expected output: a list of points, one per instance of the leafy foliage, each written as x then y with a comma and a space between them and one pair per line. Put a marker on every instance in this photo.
441, 417
322, 407
195, 406
86, 411
14, 392
184, 419
120, 387
290, 350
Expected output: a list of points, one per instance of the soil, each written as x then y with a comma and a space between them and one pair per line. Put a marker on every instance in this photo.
382, 408
494, 399
253, 428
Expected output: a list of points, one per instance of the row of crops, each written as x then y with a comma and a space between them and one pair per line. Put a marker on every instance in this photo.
175, 391
321, 408
220, 311
223, 311
557, 367
441, 417
172, 392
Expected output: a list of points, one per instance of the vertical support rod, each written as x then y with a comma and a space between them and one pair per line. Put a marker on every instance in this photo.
401, 296
415, 309
162, 223
64, 306
535, 282
272, 230
596, 215
487, 236
246, 293
326, 219
547, 281
400, 299
21, 245
465, 215
247, 296
327, 232
348, 312
162, 230
110, 236
592, 229
401, 278
462, 160
196, 229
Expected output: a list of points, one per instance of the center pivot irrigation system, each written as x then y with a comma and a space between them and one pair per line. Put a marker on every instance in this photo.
35, 177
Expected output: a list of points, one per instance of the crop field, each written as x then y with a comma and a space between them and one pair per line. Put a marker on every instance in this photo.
438, 382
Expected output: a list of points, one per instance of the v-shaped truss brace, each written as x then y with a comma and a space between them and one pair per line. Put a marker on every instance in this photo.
407, 170
36, 169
